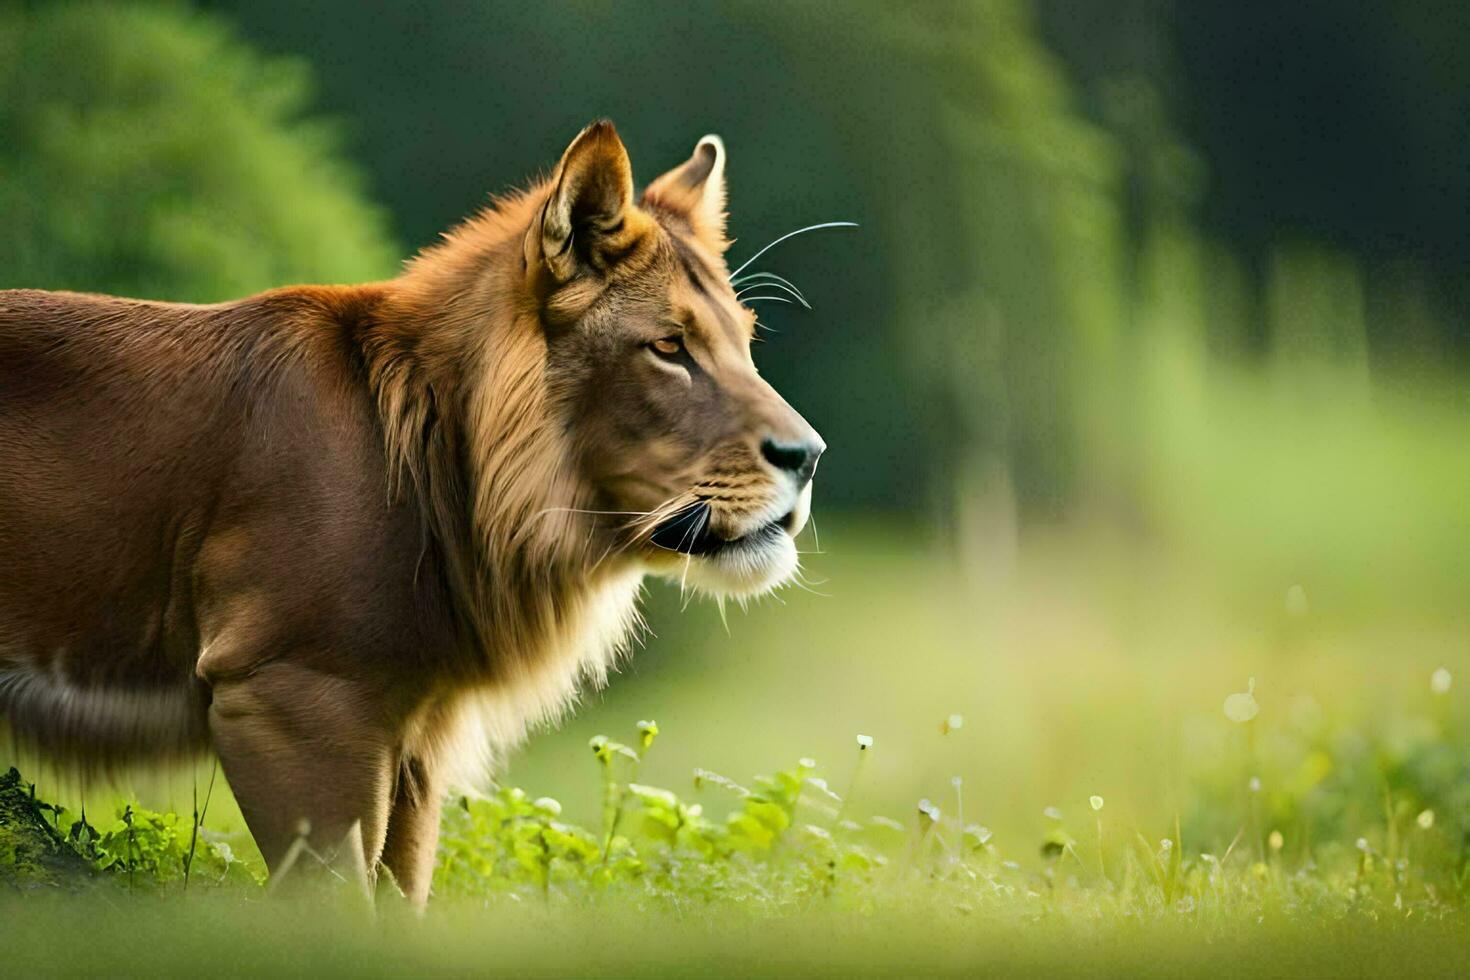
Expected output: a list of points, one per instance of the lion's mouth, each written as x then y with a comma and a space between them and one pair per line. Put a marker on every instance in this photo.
689, 533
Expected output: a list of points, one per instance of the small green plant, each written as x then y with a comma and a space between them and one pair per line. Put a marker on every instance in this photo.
788, 842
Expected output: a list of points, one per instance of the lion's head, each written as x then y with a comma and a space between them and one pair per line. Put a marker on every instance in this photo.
567, 395
701, 469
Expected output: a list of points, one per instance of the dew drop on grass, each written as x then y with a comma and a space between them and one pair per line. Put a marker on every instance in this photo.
1242, 707
1255, 784
1052, 813
1440, 680
1276, 841
1425, 819
1096, 801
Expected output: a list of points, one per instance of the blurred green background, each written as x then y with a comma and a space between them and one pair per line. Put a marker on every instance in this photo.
1145, 374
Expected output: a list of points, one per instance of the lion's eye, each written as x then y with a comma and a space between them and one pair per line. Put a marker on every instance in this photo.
667, 346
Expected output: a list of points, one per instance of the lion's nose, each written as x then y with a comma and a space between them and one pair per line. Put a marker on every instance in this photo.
799, 459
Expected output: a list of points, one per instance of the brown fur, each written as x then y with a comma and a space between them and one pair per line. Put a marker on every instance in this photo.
352, 538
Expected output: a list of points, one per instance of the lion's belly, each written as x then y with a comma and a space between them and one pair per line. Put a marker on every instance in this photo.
96, 634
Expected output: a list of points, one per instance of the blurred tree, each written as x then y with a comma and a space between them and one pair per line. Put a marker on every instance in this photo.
1049, 275
148, 152
999, 206
1325, 123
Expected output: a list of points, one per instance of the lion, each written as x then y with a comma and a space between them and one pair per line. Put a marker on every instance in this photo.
354, 540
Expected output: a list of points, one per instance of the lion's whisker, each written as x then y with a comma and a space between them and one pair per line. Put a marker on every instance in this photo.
659, 514
775, 285
689, 557
692, 533
791, 234
753, 276
798, 580
587, 510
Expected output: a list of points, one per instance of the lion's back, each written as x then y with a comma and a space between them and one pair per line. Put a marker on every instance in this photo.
103, 409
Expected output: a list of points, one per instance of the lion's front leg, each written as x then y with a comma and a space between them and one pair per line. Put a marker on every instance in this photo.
413, 828
306, 750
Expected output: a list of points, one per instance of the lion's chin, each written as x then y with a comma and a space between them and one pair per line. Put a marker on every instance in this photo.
757, 563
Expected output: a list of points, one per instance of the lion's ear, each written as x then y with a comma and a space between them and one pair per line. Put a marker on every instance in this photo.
589, 220
696, 190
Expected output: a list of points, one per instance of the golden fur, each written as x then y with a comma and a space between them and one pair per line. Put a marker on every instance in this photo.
356, 539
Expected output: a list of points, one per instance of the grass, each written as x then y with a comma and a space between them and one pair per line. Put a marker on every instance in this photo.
285, 938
